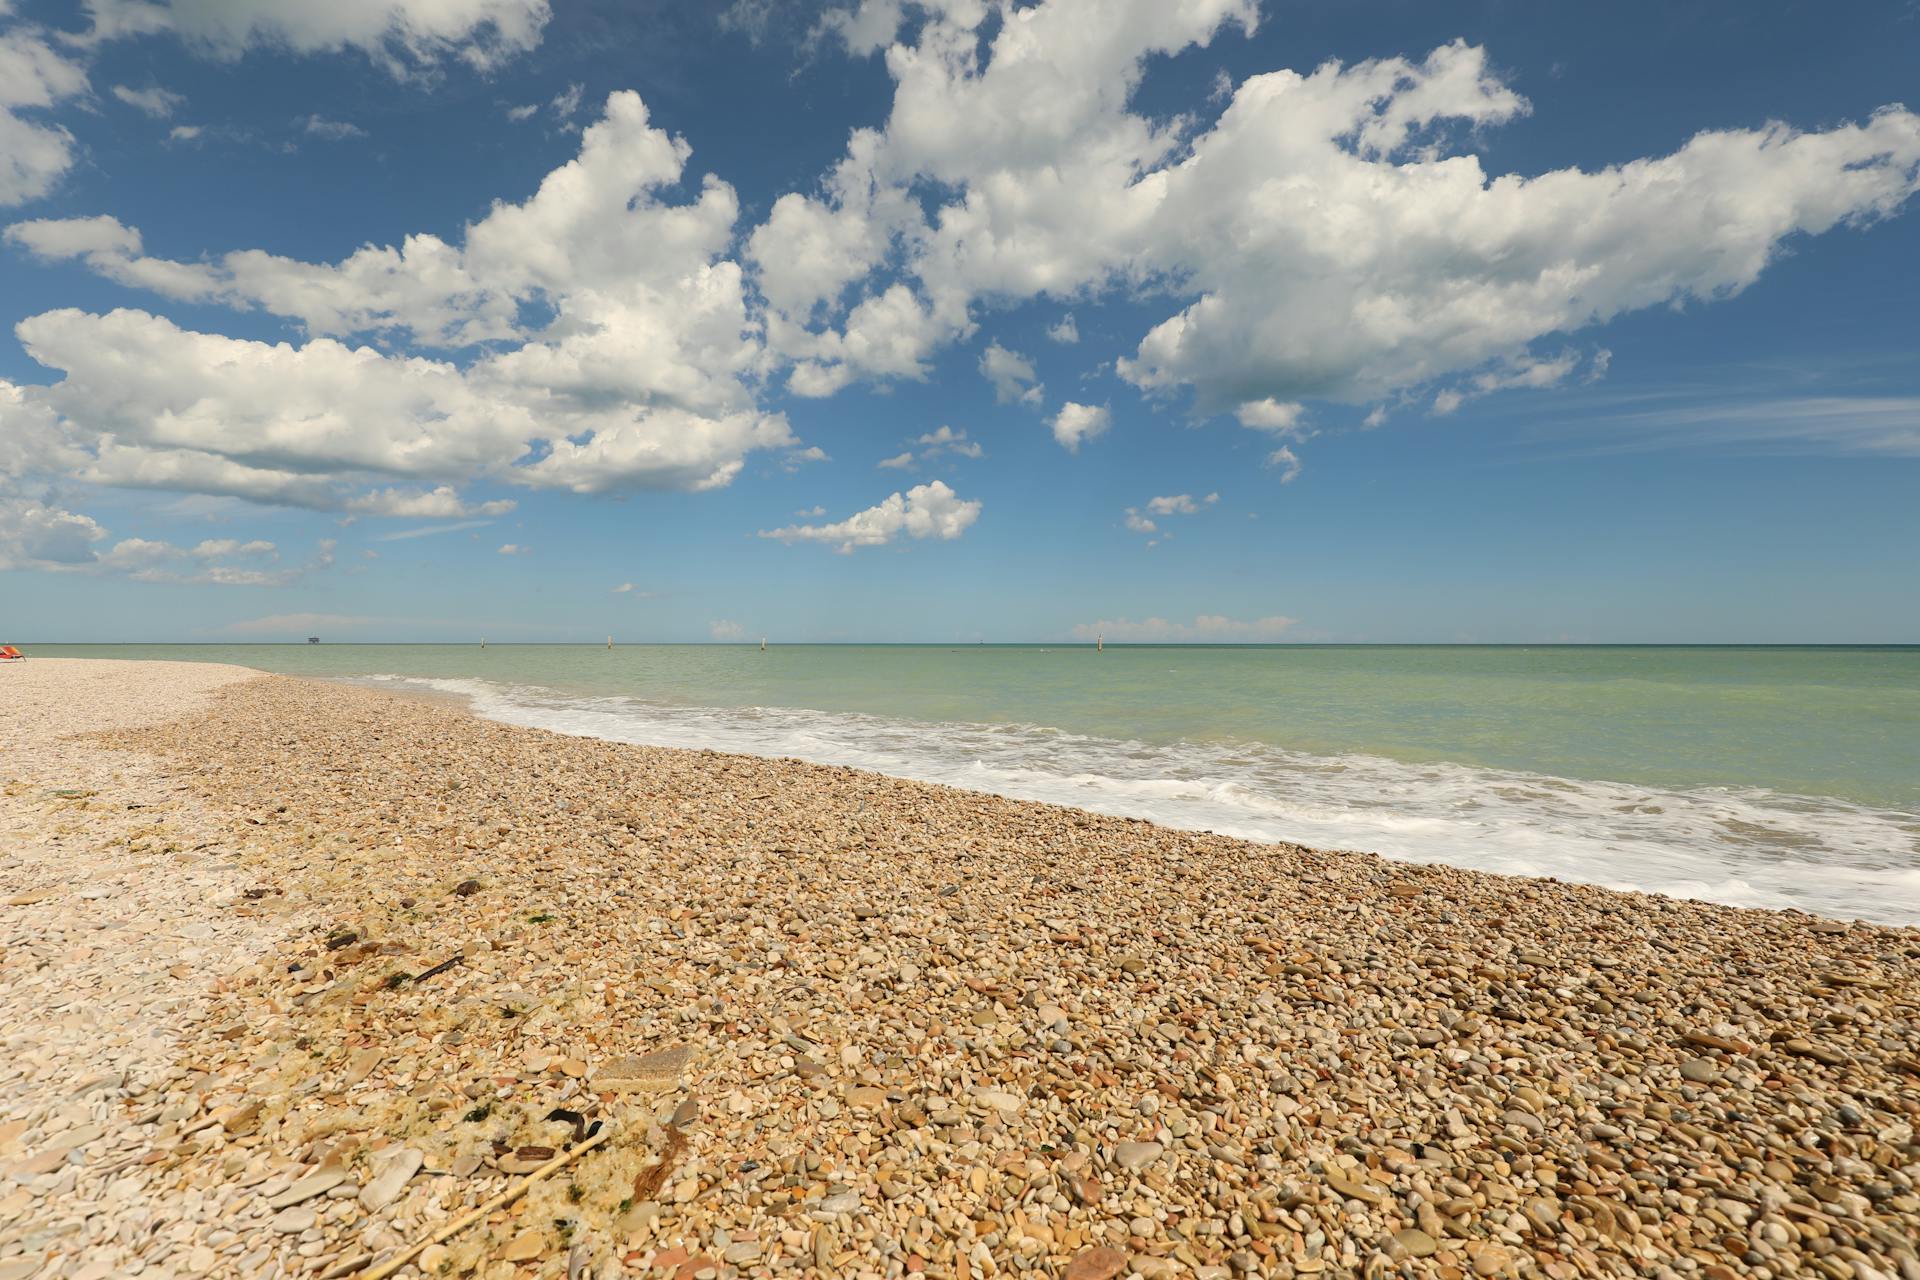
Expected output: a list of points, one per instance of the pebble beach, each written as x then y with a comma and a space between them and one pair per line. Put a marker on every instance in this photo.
308, 979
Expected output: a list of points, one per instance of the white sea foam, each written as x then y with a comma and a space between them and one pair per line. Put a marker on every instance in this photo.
1741, 846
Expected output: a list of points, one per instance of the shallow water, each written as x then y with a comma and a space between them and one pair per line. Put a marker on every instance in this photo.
1783, 777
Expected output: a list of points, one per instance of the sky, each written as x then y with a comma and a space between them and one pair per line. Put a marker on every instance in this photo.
932, 320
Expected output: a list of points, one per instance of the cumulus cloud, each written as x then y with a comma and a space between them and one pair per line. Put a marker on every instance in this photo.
924, 511
36, 534
1282, 417
722, 629
332, 130
932, 445
34, 155
513, 549
948, 440
1320, 235
153, 100
641, 379
1205, 629
1077, 423
628, 589
1180, 504
1327, 236
1287, 462
1535, 372
1012, 376
400, 35
432, 504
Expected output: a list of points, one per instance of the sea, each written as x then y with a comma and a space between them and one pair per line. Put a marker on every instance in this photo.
1765, 776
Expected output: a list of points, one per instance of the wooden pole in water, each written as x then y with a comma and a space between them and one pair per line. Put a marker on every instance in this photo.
1099, 644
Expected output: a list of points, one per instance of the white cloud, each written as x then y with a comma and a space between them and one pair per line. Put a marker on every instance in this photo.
34, 534
1282, 417
1178, 504
185, 133
640, 380
924, 511
806, 513
435, 504
332, 130
1528, 371
722, 629
1883, 426
628, 589
1065, 330
566, 103
1077, 423
947, 440
400, 35
514, 549
1287, 461
1181, 504
932, 444
217, 548
522, 113
33, 76
1205, 629
1012, 376
1327, 236
154, 101
428, 531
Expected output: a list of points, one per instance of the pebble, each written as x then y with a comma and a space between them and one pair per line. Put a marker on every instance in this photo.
860, 1025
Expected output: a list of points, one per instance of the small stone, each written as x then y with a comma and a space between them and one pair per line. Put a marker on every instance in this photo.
1096, 1264
1354, 1188
293, 1221
1133, 1156
319, 1182
1416, 1242
524, 1247
390, 1180
1700, 1070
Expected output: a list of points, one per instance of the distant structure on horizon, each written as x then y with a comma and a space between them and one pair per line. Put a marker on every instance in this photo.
313, 639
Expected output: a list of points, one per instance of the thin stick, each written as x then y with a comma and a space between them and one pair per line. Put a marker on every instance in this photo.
508, 1196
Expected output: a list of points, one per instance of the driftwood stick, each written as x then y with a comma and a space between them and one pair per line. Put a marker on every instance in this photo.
474, 1215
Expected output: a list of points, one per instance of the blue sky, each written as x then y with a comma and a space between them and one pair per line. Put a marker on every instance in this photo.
1171, 319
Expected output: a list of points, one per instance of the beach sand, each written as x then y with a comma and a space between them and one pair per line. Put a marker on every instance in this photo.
295, 978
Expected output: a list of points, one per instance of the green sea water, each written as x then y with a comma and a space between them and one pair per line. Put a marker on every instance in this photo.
1775, 775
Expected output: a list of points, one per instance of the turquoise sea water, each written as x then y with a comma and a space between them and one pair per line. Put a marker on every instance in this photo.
1763, 776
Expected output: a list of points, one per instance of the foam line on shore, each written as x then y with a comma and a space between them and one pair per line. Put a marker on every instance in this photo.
1739, 846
